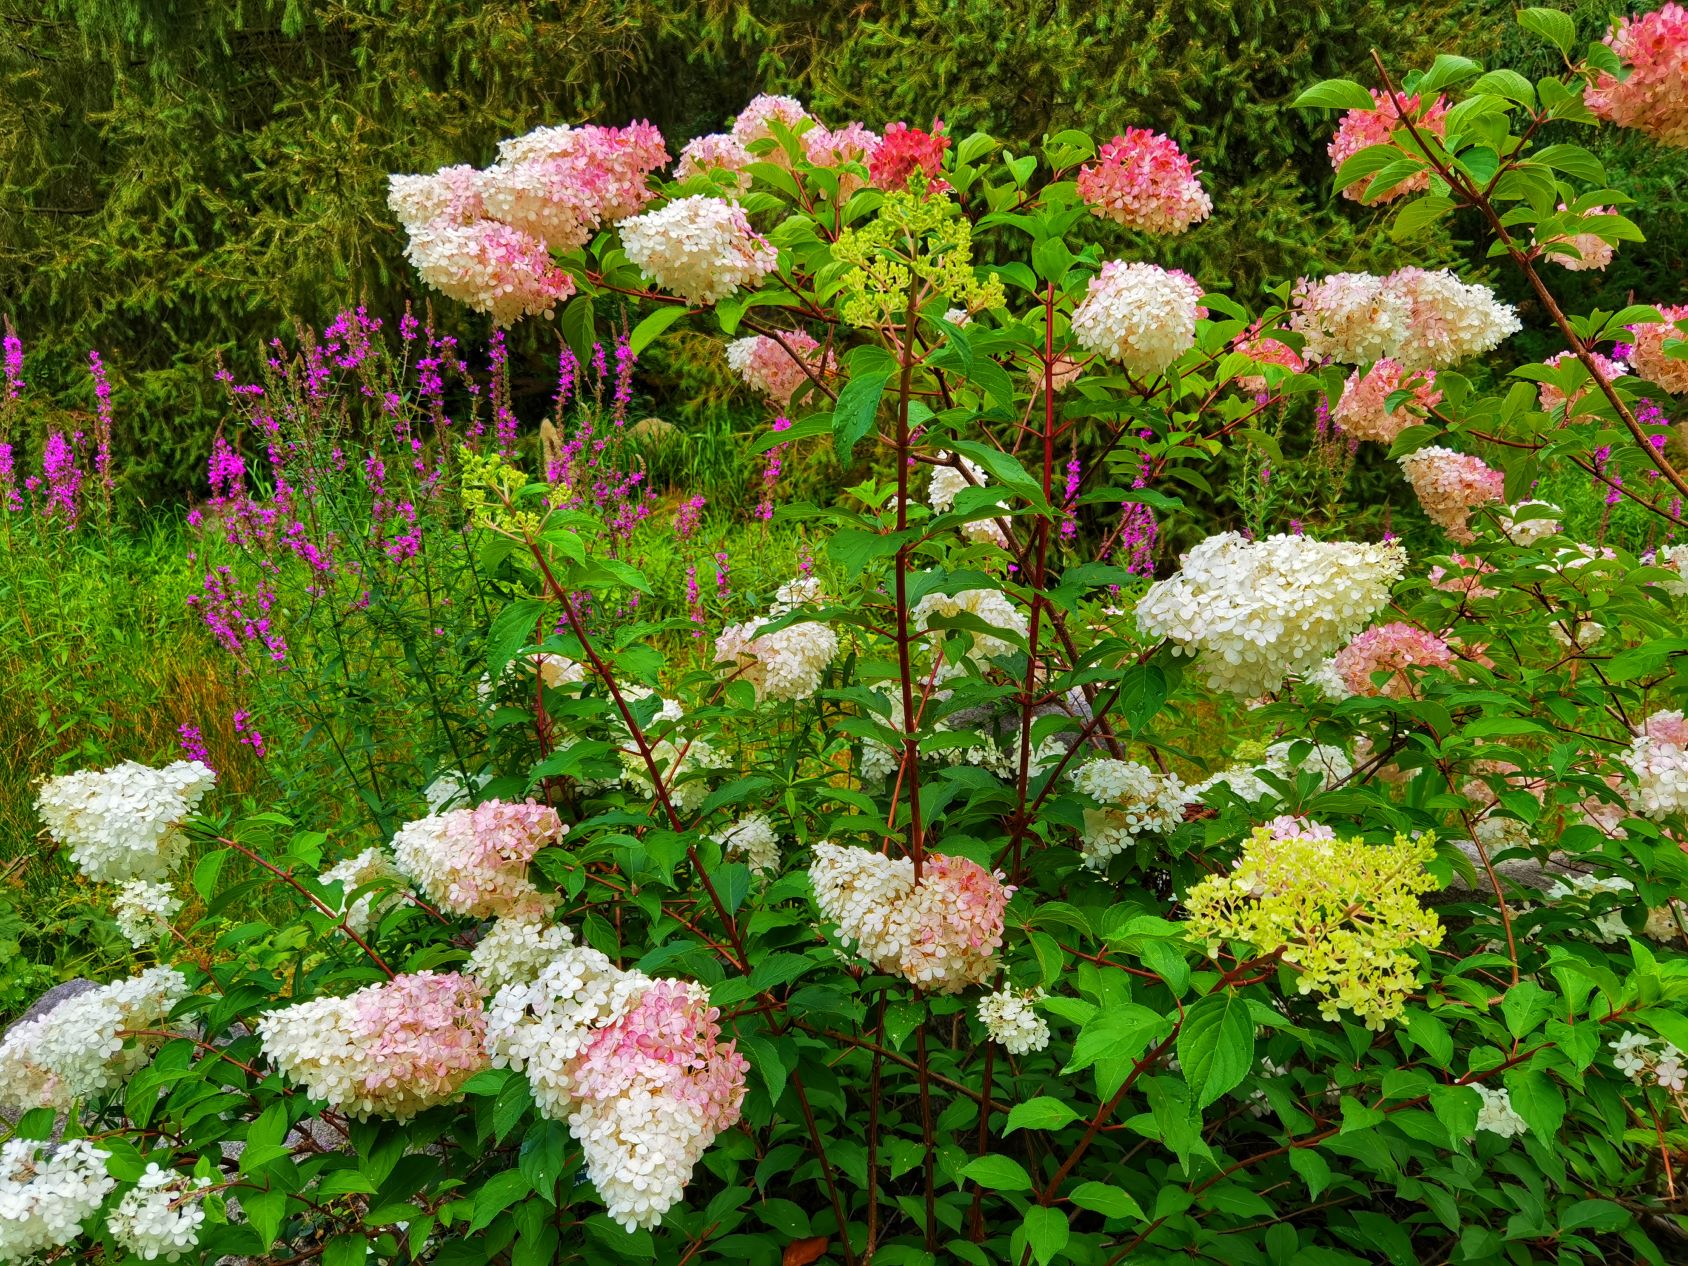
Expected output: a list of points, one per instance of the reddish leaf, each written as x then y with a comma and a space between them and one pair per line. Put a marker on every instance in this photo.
802, 1252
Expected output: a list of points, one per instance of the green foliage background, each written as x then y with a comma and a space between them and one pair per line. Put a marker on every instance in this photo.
181, 179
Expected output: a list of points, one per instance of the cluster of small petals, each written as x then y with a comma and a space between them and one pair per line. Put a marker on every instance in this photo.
599, 172
160, 1216
948, 482
787, 663
1140, 315
1343, 914
1530, 521
1283, 760
48, 1194
79, 1049
1353, 318
393, 1049
713, 156
991, 606
1448, 320
1133, 800
515, 950
1265, 350
904, 150
372, 866
1588, 251
636, 1067
474, 861
774, 370
451, 195
754, 839
1648, 1061
1400, 650
834, 147
1497, 1114
1451, 485
1257, 611
1142, 180
1649, 357
124, 822
680, 758
1589, 900
1362, 411
142, 910
450, 791
1361, 129
1653, 95
941, 933
755, 122
1419, 318
490, 267
702, 249
1674, 559
1658, 763
1010, 1018
1666, 922
1550, 397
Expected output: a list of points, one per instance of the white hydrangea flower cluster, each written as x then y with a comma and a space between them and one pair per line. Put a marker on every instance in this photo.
1135, 800
1658, 762
1417, 318
76, 1051
1672, 558
1256, 611
124, 822
515, 950
941, 933
992, 606
1582, 893
450, 791
371, 866
1010, 1018
159, 1217
1648, 1060
1328, 681
1496, 1114
753, 839
392, 1049
947, 482
787, 663
702, 249
48, 1192
1665, 923
143, 909
1140, 315
680, 759
634, 1065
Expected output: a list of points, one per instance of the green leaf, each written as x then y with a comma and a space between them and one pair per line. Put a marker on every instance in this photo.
1041, 1113
1446, 71
1313, 1168
1537, 1100
345, 1250
645, 333
1046, 1232
1335, 94
1216, 1045
500, 1192
1432, 1035
1573, 160
512, 628
513, 1102
853, 414
579, 327
1109, 1201
1420, 214
1509, 84
997, 1173
1552, 25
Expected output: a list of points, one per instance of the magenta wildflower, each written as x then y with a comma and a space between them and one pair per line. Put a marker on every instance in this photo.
192, 743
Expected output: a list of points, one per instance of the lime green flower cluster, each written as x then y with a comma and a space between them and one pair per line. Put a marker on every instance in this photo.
912, 236
1343, 914
491, 489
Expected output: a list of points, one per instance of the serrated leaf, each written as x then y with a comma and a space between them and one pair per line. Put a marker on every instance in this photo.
1335, 94
997, 1173
1216, 1045
1552, 25
1042, 1113
1046, 1232
1108, 1200
854, 411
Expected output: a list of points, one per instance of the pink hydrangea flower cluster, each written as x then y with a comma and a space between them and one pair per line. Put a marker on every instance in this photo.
1361, 410
474, 861
1591, 252
771, 369
1462, 575
1653, 96
754, 123
1394, 648
1550, 397
716, 153
941, 933
1649, 356
392, 1050
1451, 485
904, 150
1658, 763
834, 147
1266, 350
1142, 180
485, 237
1361, 129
